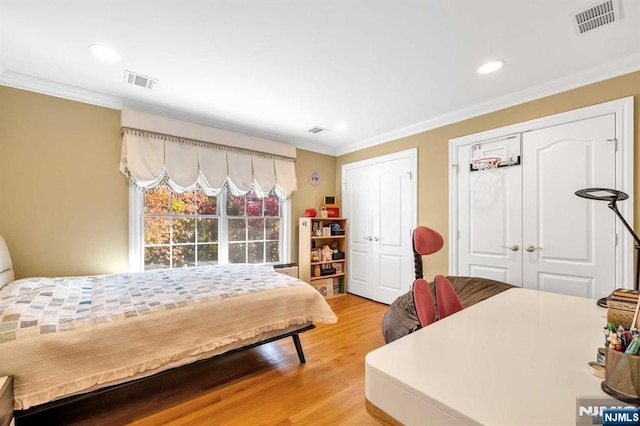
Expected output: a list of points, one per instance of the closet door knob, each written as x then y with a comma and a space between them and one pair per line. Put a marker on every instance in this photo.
531, 248
514, 247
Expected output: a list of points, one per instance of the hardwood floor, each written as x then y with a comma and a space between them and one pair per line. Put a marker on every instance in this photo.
265, 385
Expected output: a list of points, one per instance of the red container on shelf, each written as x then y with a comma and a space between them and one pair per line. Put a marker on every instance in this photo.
310, 213
333, 211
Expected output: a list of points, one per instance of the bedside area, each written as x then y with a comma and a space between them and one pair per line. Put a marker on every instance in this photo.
6, 401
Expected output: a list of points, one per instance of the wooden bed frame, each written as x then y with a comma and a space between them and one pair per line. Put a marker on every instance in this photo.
295, 335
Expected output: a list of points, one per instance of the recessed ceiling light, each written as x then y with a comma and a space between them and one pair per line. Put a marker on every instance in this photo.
105, 53
341, 126
491, 66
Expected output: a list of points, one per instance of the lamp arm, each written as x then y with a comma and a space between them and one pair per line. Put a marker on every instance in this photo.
612, 206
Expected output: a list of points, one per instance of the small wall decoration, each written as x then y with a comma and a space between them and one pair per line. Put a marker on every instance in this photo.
330, 201
314, 178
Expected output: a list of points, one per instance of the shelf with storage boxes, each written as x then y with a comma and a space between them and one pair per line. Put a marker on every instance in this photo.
322, 247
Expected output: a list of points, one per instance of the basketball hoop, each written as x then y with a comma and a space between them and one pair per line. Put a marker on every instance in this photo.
485, 163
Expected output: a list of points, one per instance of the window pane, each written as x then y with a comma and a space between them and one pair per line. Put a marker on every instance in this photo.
273, 251
207, 230
237, 229
256, 229
256, 252
206, 205
184, 256
183, 203
235, 205
156, 201
207, 254
273, 229
156, 230
184, 230
254, 205
237, 253
156, 258
271, 206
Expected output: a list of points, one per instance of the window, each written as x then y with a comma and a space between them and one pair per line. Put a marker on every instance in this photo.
172, 230
253, 229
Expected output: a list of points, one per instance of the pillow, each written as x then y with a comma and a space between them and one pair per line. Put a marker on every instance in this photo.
6, 267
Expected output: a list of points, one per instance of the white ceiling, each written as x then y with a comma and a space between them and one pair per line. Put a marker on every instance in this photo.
276, 69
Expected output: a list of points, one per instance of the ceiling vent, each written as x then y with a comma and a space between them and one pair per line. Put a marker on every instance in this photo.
596, 16
139, 80
317, 130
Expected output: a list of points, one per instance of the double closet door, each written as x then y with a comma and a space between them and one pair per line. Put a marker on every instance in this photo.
523, 224
379, 198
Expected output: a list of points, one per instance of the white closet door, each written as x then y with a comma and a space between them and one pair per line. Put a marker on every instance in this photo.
393, 250
359, 203
379, 199
569, 242
490, 214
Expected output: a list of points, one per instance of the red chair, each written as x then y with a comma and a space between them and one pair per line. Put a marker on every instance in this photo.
425, 241
425, 305
447, 299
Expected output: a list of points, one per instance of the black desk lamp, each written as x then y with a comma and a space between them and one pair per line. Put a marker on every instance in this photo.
613, 196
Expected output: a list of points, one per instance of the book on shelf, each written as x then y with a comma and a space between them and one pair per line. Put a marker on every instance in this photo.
625, 293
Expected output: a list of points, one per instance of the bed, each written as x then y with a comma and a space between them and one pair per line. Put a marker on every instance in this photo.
68, 336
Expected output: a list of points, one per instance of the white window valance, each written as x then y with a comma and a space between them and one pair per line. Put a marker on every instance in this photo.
149, 158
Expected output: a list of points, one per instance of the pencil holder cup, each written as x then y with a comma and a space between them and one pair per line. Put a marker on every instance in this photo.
622, 373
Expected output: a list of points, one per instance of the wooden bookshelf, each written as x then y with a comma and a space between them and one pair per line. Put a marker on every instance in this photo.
318, 272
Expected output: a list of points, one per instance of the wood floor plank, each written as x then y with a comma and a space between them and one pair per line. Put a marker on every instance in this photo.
265, 385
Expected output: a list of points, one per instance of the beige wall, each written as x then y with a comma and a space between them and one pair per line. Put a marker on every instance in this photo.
433, 149
63, 203
309, 196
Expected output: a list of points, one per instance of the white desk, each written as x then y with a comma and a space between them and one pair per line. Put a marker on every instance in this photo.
518, 358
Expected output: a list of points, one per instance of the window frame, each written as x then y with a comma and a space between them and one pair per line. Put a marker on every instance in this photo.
136, 230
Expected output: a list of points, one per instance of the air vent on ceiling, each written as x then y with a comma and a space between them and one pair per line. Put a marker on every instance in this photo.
317, 130
139, 80
596, 16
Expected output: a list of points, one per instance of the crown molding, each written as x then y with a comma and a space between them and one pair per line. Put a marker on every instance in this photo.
65, 91
59, 90
603, 72
73, 93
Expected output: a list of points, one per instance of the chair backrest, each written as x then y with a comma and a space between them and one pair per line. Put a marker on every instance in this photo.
447, 299
423, 300
425, 241
6, 267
